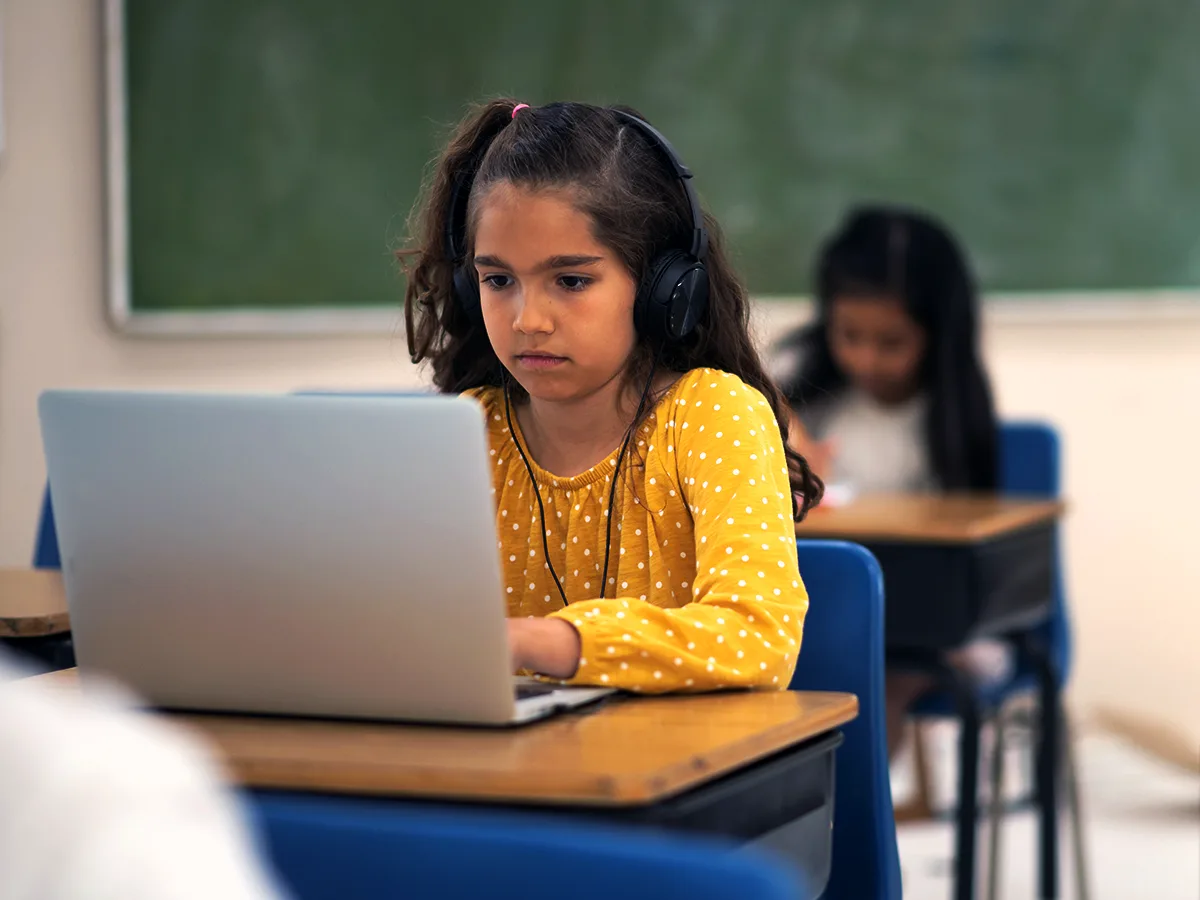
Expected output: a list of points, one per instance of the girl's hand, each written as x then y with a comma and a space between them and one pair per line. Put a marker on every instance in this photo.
546, 646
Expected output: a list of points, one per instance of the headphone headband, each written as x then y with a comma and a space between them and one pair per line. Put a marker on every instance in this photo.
673, 295
460, 191
699, 248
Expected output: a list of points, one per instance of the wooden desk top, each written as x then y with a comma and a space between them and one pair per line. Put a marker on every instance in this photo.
928, 518
631, 751
32, 603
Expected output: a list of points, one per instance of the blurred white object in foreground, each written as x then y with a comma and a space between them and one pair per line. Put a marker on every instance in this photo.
101, 802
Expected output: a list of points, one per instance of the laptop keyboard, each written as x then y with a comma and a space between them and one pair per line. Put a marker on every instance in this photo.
525, 690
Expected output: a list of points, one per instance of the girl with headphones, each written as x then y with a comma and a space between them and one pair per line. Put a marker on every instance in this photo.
565, 275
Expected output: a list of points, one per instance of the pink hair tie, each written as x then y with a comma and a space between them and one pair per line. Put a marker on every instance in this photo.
518, 108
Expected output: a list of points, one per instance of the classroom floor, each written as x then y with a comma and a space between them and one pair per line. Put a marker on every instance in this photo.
1142, 828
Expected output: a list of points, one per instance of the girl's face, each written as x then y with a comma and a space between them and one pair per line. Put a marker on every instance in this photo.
877, 345
557, 304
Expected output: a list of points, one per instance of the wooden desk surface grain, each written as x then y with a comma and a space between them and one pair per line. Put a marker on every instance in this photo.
928, 518
630, 751
32, 603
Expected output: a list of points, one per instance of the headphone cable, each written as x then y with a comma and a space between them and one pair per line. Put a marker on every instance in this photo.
612, 494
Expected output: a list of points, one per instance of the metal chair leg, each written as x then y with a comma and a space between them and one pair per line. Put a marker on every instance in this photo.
968, 787
996, 812
1049, 758
966, 701
1074, 804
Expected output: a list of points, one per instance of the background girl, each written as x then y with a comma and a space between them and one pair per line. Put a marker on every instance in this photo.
889, 383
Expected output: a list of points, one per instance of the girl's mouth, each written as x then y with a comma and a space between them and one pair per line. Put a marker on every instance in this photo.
540, 361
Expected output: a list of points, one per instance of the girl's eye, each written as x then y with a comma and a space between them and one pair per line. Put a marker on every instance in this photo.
495, 281
851, 337
574, 282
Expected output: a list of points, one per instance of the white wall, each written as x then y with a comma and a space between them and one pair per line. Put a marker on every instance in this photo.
1124, 393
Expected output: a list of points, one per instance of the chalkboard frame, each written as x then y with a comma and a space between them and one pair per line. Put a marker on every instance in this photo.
125, 318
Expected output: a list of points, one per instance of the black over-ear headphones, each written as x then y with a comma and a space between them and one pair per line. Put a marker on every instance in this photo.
673, 294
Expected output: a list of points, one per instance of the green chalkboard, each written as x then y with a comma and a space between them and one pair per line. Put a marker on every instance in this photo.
274, 147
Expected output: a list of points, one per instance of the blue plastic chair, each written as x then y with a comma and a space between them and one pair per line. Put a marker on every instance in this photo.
329, 848
842, 650
45, 548
1030, 464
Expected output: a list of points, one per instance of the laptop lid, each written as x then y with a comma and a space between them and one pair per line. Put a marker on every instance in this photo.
330, 556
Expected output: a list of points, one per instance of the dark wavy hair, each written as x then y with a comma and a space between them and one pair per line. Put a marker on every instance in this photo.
638, 209
891, 251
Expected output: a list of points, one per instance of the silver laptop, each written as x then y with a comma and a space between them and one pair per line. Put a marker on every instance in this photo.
321, 556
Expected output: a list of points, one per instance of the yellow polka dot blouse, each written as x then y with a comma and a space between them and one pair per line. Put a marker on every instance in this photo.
703, 588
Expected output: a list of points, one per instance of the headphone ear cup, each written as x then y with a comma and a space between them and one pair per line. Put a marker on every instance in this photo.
673, 297
466, 292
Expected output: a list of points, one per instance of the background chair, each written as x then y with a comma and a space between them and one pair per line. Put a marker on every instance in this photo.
45, 547
1030, 464
842, 650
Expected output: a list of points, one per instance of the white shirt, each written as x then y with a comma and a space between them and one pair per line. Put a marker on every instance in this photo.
101, 802
877, 448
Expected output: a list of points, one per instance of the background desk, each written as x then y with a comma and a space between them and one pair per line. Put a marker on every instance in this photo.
955, 566
33, 616
32, 603
750, 766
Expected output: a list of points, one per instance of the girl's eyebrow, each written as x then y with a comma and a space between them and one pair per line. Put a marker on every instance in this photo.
553, 262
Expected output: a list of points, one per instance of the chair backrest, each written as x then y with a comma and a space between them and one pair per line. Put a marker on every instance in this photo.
842, 650
1031, 463
355, 849
45, 548
1030, 459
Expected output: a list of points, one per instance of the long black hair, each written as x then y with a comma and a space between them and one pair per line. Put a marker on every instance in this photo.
896, 252
638, 209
